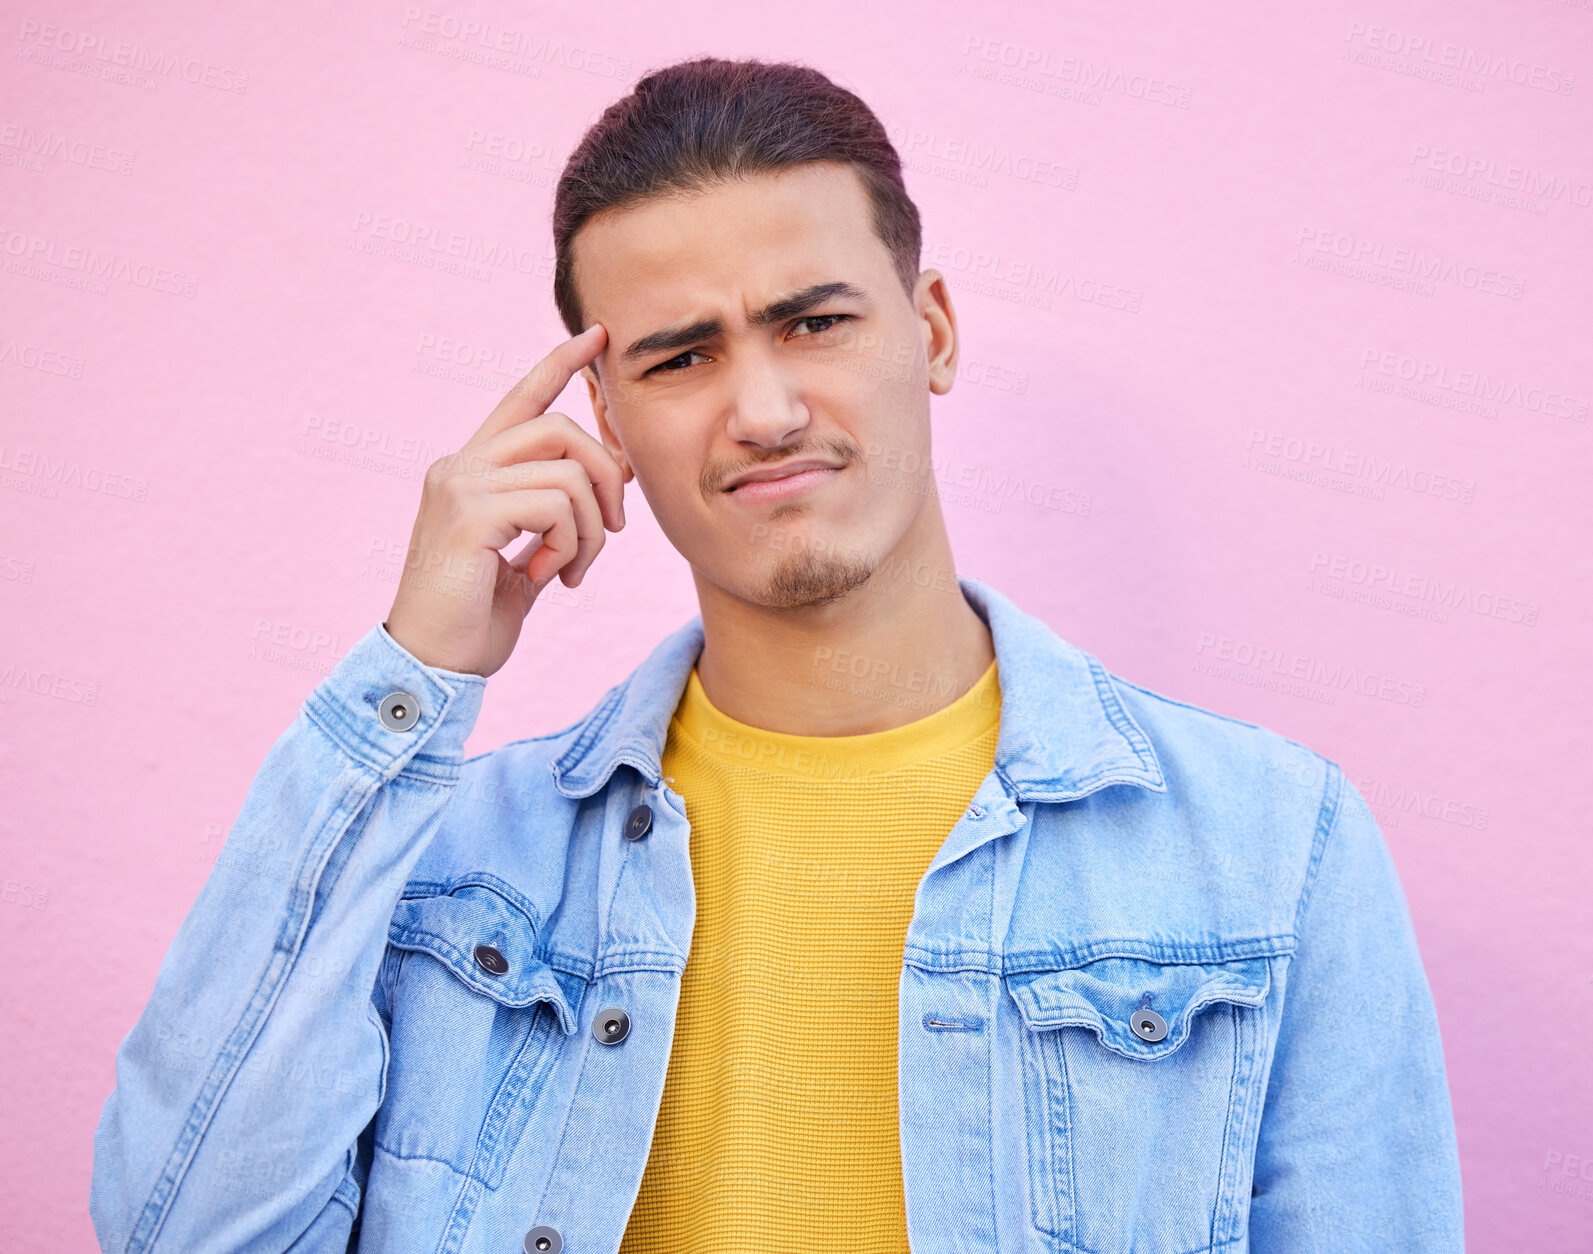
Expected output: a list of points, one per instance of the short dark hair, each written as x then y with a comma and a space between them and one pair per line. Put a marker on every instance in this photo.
709, 120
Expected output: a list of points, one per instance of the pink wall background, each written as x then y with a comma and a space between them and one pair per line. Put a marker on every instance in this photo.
1187, 250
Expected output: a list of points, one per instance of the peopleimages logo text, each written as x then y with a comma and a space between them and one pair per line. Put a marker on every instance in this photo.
1416, 262
1394, 582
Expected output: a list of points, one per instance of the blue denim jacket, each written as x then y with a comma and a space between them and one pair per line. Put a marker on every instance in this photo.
1160, 991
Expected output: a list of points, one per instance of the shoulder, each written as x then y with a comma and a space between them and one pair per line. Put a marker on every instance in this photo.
1252, 803
1212, 756
515, 774
1212, 852
506, 815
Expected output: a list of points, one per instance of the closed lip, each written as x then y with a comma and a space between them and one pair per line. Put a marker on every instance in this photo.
782, 471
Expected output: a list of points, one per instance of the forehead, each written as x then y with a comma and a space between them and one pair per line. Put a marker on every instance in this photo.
727, 247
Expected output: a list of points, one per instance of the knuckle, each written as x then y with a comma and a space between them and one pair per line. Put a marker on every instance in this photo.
452, 470
449, 487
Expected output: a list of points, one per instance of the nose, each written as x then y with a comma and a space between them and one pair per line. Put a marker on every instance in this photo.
766, 406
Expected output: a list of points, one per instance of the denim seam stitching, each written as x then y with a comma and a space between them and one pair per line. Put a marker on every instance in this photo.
152, 1216
508, 1097
564, 1126
597, 721
476, 879
460, 1215
331, 719
927, 960
1326, 823
626, 961
993, 994
1073, 1234
1040, 1139
1210, 713
608, 912
1180, 1031
1217, 1207
527, 740
390, 1152
341, 733
1240, 950
1250, 1124
1122, 721
414, 940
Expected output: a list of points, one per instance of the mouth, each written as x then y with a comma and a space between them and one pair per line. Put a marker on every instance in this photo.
780, 482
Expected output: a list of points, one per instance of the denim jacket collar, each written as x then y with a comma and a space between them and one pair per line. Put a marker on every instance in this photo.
1064, 731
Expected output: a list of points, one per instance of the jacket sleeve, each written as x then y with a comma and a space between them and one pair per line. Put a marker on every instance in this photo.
244, 1086
1357, 1142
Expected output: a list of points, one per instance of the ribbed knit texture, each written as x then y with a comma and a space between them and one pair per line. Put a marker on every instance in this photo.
778, 1128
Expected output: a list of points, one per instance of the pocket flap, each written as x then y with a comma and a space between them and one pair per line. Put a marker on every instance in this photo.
1104, 994
450, 928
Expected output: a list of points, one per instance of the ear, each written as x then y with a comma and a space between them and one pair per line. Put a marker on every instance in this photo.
611, 442
938, 323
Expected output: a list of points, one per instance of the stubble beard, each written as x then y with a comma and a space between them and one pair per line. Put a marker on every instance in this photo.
806, 579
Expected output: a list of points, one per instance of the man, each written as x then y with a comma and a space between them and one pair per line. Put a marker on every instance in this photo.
866, 913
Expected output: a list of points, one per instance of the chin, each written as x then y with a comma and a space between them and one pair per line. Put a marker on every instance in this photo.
809, 579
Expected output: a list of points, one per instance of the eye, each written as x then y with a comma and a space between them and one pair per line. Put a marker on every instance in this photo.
677, 363
829, 321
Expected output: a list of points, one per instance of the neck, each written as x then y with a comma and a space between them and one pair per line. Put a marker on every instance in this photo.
895, 649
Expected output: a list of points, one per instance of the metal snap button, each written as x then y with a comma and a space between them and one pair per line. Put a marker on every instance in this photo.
399, 711
543, 1240
639, 822
491, 960
1148, 1025
612, 1025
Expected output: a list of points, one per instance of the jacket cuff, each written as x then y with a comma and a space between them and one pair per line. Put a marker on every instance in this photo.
347, 704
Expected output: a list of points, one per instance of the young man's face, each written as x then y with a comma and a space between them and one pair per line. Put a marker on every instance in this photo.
756, 324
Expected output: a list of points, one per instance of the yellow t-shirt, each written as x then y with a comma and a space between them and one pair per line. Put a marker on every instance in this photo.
778, 1127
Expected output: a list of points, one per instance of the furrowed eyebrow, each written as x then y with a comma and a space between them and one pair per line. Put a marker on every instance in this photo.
674, 338
797, 304
793, 306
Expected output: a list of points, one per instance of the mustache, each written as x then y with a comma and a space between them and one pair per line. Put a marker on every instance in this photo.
838, 448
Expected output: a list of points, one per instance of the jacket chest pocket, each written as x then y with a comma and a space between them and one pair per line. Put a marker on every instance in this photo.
1141, 1088
475, 1021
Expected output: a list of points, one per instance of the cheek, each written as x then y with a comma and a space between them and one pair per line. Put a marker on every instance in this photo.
656, 455
669, 477
893, 429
